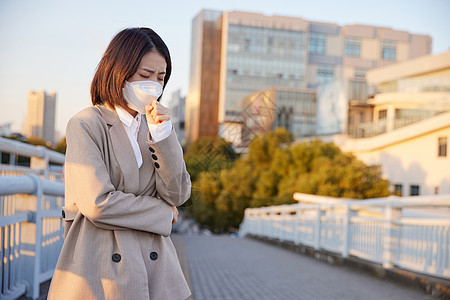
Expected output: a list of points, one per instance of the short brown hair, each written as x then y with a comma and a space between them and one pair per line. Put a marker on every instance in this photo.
121, 61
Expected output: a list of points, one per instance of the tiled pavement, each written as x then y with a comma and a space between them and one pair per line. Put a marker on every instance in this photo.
222, 267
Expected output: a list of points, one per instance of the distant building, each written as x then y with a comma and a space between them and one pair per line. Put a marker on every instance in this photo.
290, 108
40, 120
5, 129
177, 115
405, 93
202, 102
410, 125
235, 54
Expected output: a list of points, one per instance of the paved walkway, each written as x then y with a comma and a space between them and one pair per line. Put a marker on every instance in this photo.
222, 267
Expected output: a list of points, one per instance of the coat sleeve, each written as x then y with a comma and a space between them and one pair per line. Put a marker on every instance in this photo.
173, 182
88, 186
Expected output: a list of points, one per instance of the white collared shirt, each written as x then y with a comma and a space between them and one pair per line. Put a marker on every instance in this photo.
131, 126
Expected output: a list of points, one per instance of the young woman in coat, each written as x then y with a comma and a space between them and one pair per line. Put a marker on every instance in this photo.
124, 178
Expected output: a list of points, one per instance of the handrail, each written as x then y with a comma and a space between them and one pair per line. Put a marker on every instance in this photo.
32, 225
27, 184
395, 201
389, 231
16, 147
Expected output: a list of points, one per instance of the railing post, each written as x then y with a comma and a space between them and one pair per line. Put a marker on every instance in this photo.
296, 225
317, 228
37, 245
41, 163
391, 235
346, 229
12, 159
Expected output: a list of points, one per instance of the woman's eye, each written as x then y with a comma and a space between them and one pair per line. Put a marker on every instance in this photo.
145, 76
160, 79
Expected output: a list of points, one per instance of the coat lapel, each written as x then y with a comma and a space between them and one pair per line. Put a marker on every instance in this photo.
122, 150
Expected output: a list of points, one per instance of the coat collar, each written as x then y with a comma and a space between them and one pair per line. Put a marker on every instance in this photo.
109, 114
122, 149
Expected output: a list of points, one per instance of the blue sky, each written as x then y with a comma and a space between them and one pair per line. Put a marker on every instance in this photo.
56, 45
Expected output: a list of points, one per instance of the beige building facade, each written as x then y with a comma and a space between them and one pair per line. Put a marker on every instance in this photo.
415, 158
410, 130
406, 92
40, 119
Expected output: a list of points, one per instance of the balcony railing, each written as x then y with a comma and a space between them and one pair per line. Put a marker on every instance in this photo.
370, 129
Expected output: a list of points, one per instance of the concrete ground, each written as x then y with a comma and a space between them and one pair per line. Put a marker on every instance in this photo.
223, 267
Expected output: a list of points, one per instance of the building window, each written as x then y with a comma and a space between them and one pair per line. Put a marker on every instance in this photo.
414, 190
398, 189
389, 50
442, 147
382, 114
325, 73
357, 90
317, 43
360, 73
436, 190
352, 47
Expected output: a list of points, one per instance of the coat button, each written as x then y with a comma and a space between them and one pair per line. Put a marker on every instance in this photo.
116, 257
63, 213
156, 165
151, 149
154, 157
153, 256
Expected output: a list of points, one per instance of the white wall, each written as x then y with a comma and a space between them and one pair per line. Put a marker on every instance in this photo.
414, 161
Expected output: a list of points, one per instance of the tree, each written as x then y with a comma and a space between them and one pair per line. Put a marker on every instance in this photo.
37, 141
209, 155
271, 172
262, 148
205, 192
61, 146
340, 174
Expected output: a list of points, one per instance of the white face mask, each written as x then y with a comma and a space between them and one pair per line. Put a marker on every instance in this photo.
141, 93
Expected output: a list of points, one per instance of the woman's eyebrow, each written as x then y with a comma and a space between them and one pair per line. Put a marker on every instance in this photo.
151, 71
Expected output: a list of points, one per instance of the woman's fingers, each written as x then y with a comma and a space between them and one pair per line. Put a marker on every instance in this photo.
148, 113
158, 113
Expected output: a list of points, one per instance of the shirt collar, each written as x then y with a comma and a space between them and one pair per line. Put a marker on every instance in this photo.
126, 117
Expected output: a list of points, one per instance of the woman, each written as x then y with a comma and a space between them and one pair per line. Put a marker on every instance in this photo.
124, 177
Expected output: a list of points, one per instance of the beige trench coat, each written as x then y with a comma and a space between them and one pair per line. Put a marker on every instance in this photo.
117, 217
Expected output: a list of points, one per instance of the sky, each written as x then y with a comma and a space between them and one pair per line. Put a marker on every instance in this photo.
56, 45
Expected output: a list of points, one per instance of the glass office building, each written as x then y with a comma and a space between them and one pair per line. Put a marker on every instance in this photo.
236, 54
290, 108
258, 58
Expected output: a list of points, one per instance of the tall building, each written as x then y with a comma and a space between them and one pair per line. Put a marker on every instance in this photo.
202, 102
235, 54
40, 121
177, 115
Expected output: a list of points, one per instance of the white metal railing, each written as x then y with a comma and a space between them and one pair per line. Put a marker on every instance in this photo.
31, 233
41, 160
389, 231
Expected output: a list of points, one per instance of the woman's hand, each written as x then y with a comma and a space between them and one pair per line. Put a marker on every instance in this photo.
157, 113
175, 214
